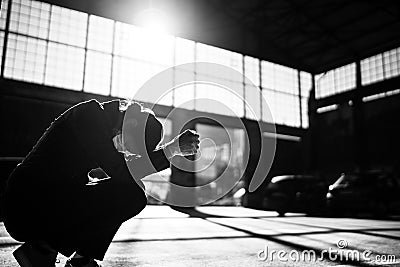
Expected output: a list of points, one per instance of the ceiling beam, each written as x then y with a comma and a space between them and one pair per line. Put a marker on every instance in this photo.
325, 30
332, 9
288, 55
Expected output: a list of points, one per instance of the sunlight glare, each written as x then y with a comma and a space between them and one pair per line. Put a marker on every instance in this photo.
154, 20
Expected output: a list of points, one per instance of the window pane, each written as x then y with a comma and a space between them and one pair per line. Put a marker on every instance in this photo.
286, 79
25, 58
206, 53
305, 83
267, 75
345, 78
184, 52
97, 73
304, 110
287, 109
252, 96
68, 26
184, 95
236, 99
284, 108
142, 44
129, 76
3, 14
252, 70
372, 69
122, 77
269, 105
204, 92
64, 66
124, 39
325, 84
392, 63
30, 18
165, 99
1, 45
100, 35
278, 77
216, 99
153, 47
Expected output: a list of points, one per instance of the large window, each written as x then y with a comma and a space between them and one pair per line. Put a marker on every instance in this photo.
336, 81
67, 26
1, 45
381, 66
305, 88
373, 69
232, 94
252, 90
30, 18
25, 58
64, 66
3, 14
97, 72
185, 52
280, 90
98, 61
391, 63
64, 48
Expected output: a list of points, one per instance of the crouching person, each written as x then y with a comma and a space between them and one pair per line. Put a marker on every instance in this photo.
49, 204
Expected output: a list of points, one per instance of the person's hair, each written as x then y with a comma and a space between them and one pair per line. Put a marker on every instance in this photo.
150, 127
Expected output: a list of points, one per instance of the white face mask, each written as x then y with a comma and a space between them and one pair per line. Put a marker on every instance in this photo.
120, 147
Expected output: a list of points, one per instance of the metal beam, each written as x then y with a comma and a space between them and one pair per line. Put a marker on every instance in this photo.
289, 56
325, 30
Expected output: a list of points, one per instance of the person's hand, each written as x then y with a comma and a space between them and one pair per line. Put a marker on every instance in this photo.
185, 144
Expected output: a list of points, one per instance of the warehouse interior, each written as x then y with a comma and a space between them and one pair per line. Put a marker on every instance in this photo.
329, 72
316, 84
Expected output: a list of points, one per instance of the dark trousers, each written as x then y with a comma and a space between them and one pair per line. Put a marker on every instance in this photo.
69, 217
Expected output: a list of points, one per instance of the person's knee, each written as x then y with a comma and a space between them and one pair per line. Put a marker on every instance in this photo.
142, 202
138, 201
135, 203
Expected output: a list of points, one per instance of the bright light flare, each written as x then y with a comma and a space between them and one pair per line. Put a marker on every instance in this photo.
155, 20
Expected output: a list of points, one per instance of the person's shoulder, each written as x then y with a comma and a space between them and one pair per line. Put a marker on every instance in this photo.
84, 109
91, 102
89, 105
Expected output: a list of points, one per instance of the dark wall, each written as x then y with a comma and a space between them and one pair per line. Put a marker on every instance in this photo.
289, 159
24, 121
382, 130
26, 110
334, 136
339, 147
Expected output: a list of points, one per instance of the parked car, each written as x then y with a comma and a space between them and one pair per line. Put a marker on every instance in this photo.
374, 192
296, 193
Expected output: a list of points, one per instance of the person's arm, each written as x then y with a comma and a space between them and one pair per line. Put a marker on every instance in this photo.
185, 144
93, 131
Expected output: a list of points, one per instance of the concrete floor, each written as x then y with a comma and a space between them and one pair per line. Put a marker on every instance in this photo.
235, 236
